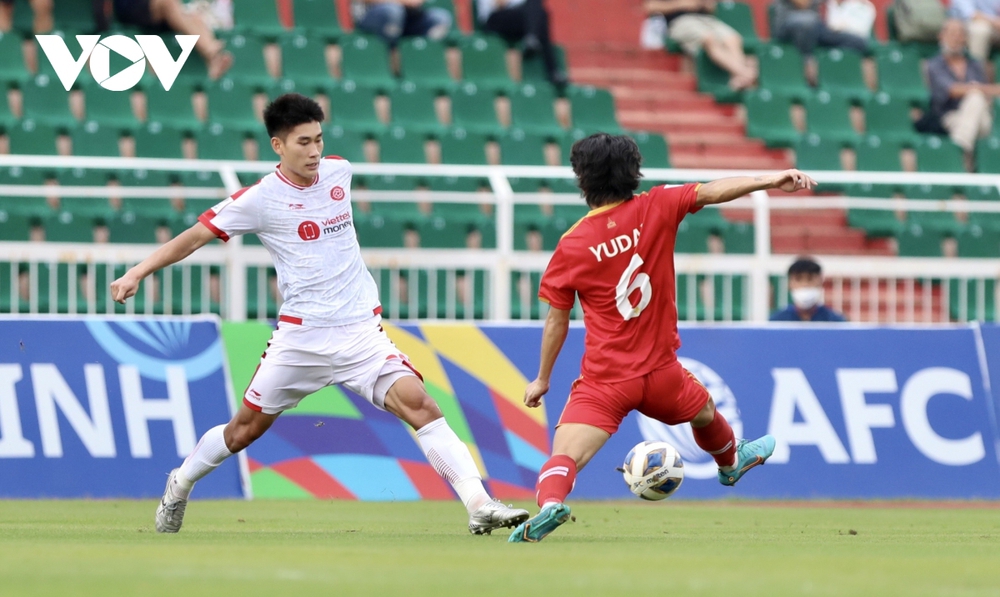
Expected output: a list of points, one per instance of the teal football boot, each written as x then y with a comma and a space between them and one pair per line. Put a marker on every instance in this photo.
749, 454
535, 529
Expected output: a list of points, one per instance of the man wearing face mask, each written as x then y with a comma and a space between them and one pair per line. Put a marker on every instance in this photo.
805, 282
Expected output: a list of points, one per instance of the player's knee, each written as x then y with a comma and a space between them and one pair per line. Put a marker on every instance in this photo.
705, 415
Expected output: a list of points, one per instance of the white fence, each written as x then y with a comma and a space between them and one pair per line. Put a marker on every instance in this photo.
497, 284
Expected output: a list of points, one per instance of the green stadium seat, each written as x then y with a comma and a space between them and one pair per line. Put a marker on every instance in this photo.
158, 141
216, 142
459, 146
113, 109
876, 223
691, 239
46, 101
940, 221
900, 74
23, 205
353, 107
519, 310
484, 62
655, 153
172, 108
30, 137
739, 238
988, 155
456, 184
203, 178
781, 71
917, 241
303, 60
349, 145
230, 102
390, 182
12, 68
593, 110
15, 227
318, 17
84, 177
875, 154
566, 142
91, 207
739, 16
160, 208
977, 241
197, 295
443, 233
249, 67
399, 146
723, 288
473, 110
521, 148
257, 286
365, 59
131, 227
76, 17
258, 18
980, 300
939, 154
67, 227
532, 108
7, 117
829, 116
983, 193
715, 80
378, 231
840, 74
533, 67
413, 109
768, 118
93, 138
813, 152
423, 62
889, 117
194, 74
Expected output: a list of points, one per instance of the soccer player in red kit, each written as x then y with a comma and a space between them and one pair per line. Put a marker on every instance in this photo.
619, 260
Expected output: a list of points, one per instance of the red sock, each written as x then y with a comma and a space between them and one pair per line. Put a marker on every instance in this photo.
556, 479
717, 439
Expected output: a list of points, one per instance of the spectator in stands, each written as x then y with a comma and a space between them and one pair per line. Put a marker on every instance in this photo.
982, 20
798, 22
960, 97
692, 24
43, 16
403, 18
169, 15
805, 283
524, 21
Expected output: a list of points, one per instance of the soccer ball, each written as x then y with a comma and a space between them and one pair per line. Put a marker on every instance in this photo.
653, 470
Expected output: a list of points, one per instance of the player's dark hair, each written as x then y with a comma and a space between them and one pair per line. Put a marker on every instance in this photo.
606, 168
289, 111
804, 265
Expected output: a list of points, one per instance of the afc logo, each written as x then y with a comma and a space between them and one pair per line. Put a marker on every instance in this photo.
337, 193
309, 230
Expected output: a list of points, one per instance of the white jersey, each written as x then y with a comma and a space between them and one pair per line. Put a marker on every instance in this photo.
309, 232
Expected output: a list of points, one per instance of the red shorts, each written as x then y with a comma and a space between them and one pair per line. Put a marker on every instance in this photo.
671, 395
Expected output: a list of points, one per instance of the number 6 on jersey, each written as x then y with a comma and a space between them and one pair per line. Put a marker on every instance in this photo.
624, 290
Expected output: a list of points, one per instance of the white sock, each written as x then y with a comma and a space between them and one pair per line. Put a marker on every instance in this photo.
729, 469
210, 452
452, 460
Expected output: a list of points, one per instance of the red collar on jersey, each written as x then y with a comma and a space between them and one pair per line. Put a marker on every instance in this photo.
284, 179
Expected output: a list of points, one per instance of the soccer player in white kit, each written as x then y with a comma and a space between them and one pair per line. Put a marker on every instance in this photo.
329, 328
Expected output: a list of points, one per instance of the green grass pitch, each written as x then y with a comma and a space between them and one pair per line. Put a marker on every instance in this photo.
272, 548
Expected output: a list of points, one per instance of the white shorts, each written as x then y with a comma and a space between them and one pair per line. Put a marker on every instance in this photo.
300, 360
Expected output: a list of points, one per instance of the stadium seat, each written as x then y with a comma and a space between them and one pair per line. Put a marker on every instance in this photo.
172, 108
900, 74
875, 154
939, 154
194, 73
532, 108
46, 101
216, 142
519, 310
22, 205
533, 67
399, 146
29, 137
739, 238
768, 118
988, 155
158, 141
365, 60
131, 227
17, 228
691, 239
943, 221
84, 177
456, 184
980, 300
977, 241
113, 109
715, 80
840, 74
987, 220
917, 241
829, 116
75, 17
318, 17
689, 287
422, 61
889, 118
875, 222
438, 232
459, 146
153, 207
353, 108
378, 231
813, 152
349, 145
12, 68
484, 62
249, 67
7, 117
653, 147
593, 110
258, 285
258, 18
520, 148
94, 138
739, 16
413, 109
303, 60
781, 71
230, 103
473, 110
67, 227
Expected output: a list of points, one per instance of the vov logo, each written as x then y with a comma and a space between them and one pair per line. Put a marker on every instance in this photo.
98, 51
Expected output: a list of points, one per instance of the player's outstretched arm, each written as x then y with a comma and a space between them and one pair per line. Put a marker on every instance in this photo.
553, 337
727, 189
171, 252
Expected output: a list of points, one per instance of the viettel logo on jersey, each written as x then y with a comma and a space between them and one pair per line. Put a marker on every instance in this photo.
309, 230
337, 193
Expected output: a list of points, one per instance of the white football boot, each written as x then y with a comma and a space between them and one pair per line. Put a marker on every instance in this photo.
494, 515
170, 513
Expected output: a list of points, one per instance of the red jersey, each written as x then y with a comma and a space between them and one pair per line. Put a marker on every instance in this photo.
620, 260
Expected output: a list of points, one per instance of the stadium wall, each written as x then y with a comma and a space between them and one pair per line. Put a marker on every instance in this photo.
860, 412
